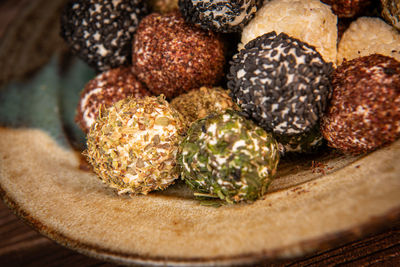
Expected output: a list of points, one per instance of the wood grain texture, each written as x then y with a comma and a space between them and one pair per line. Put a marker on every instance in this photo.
22, 246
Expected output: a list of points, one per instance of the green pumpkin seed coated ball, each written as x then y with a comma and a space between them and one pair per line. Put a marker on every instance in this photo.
227, 156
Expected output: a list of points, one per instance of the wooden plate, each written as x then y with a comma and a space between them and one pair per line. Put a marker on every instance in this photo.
316, 201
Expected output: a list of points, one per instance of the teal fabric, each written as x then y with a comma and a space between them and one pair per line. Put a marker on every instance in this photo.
47, 101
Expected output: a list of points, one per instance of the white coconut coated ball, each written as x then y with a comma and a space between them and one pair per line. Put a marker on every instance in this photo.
367, 36
307, 20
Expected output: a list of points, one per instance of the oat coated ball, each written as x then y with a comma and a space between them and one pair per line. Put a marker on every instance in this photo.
133, 145
171, 56
163, 6
197, 104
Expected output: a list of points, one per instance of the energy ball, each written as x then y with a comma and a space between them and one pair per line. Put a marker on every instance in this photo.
100, 32
364, 112
227, 156
281, 83
348, 8
219, 15
171, 56
391, 12
367, 36
103, 91
133, 145
310, 21
197, 104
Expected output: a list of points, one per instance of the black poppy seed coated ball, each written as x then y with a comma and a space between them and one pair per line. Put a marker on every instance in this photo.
100, 32
219, 15
281, 83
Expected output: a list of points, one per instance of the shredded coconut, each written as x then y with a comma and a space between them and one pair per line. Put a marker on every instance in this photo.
308, 20
367, 36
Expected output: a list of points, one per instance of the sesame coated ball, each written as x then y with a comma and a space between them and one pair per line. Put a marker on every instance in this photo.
197, 104
172, 57
307, 142
281, 83
310, 21
364, 112
100, 32
133, 145
219, 15
103, 91
227, 156
348, 8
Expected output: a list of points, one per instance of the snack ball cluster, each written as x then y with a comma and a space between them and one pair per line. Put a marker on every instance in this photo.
219, 15
101, 32
364, 113
103, 91
281, 83
227, 156
133, 145
172, 57
283, 97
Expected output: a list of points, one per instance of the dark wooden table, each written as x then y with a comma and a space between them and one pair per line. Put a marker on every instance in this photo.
22, 246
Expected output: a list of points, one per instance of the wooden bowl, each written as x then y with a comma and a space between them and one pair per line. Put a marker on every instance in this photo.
316, 202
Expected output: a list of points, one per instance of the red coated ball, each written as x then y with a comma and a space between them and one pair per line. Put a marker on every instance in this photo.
348, 8
364, 111
103, 91
171, 56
